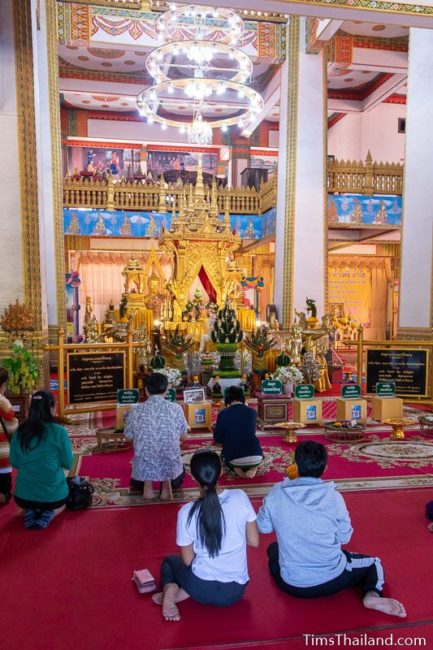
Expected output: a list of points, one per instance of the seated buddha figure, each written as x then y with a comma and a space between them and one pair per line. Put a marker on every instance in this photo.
154, 300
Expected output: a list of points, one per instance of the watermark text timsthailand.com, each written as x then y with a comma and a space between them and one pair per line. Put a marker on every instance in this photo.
364, 640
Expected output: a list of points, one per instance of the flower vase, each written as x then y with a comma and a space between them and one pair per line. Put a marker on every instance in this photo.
288, 388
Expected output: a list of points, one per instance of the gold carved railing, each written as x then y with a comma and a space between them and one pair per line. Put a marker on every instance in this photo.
365, 178
109, 194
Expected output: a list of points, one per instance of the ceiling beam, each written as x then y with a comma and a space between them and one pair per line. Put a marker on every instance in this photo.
326, 29
403, 13
271, 97
384, 91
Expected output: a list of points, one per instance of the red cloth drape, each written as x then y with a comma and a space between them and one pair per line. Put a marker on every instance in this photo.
207, 285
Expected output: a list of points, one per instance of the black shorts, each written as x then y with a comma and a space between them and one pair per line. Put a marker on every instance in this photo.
6, 485
38, 505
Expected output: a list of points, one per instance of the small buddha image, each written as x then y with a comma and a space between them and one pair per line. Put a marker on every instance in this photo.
332, 212
125, 228
356, 216
152, 228
216, 388
154, 299
382, 215
244, 384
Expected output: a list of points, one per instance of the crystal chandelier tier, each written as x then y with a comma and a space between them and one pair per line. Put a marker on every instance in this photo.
200, 69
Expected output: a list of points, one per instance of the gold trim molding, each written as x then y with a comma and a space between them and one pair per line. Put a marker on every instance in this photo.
293, 36
415, 333
376, 6
56, 158
27, 159
325, 182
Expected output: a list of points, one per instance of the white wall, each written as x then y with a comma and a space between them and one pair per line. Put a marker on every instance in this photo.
375, 130
379, 133
344, 138
10, 206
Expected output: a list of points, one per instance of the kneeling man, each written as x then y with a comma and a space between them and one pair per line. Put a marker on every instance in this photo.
311, 523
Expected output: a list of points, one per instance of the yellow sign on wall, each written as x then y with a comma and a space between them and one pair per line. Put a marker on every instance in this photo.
352, 287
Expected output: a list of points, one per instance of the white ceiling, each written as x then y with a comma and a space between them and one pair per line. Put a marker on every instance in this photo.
380, 30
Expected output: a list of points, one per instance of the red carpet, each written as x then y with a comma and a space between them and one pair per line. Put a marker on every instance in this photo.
69, 587
278, 456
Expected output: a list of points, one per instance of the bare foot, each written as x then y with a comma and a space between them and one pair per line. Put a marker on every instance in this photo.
148, 492
170, 610
251, 473
239, 472
166, 493
386, 605
430, 527
158, 598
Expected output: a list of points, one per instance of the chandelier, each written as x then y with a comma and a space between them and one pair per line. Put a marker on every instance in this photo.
200, 67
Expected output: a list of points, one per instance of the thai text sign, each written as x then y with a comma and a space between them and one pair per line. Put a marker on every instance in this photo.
171, 395
127, 396
304, 391
385, 389
351, 391
407, 368
272, 387
94, 376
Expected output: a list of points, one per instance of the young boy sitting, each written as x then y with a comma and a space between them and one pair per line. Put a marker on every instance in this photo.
311, 523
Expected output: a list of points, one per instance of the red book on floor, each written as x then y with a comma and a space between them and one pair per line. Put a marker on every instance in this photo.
144, 580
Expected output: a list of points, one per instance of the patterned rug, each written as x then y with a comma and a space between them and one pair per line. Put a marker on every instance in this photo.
375, 463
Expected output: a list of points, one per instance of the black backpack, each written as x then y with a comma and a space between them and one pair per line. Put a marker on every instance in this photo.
80, 494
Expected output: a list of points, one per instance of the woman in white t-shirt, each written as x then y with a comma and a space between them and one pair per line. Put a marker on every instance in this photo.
212, 533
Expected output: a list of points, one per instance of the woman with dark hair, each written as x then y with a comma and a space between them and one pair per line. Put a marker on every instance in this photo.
236, 431
41, 451
212, 533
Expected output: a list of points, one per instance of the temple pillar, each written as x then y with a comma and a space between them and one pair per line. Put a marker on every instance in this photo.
11, 258
415, 307
48, 142
301, 232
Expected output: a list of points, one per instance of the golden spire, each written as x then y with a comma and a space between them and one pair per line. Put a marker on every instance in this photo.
214, 200
199, 187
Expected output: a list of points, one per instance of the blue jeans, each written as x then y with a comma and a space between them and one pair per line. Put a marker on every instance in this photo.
207, 592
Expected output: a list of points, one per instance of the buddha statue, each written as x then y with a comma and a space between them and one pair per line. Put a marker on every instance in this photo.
154, 299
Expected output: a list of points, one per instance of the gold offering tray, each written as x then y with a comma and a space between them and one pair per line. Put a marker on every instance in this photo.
290, 427
398, 425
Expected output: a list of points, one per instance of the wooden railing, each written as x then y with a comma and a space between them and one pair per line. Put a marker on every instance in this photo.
109, 194
365, 178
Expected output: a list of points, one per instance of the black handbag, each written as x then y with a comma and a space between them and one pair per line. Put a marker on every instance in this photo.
80, 493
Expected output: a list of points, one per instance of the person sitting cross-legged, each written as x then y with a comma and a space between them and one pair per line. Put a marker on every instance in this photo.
156, 429
311, 523
236, 431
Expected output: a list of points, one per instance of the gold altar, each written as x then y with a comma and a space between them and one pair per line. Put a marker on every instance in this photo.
202, 245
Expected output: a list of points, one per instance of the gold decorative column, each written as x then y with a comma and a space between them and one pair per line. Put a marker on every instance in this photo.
27, 158
288, 194
56, 158
301, 233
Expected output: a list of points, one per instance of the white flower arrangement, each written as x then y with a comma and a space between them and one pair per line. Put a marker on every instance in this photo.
288, 375
174, 376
